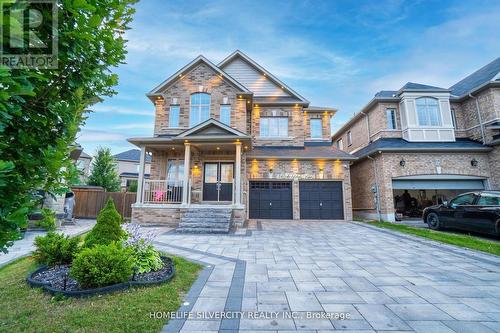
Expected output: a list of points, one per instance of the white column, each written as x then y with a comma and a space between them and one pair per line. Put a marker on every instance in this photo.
140, 180
187, 172
237, 175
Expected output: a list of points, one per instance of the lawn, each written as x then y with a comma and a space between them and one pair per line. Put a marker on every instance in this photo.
26, 309
466, 241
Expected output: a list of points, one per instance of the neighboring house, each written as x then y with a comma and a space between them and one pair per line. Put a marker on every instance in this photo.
234, 136
128, 167
423, 145
83, 165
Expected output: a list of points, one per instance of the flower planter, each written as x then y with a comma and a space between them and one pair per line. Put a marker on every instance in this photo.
33, 282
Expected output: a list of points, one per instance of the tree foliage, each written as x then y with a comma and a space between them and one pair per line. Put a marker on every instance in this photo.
104, 171
41, 110
107, 228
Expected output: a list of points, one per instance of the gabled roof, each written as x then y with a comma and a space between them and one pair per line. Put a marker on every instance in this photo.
412, 86
487, 74
85, 155
211, 127
132, 155
200, 59
238, 54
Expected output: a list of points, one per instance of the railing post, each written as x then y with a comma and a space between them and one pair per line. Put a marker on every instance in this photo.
187, 172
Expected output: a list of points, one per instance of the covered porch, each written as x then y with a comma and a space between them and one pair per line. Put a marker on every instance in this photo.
198, 168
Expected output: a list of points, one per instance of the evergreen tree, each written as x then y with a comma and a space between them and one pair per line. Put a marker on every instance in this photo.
104, 172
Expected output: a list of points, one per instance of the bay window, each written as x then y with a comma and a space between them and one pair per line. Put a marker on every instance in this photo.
316, 129
428, 112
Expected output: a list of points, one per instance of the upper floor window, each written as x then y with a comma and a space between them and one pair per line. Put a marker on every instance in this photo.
391, 118
428, 112
349, 138
316, 129
274, 127
340, 144
453, 118
173, 116
225, 114
200, 108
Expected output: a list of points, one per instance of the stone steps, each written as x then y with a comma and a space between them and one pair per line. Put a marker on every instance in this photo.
206, 220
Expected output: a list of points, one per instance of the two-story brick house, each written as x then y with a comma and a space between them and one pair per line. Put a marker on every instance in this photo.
422, 145
232, 137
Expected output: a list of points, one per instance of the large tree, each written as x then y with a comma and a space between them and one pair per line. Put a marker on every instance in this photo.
41, 110
104, 171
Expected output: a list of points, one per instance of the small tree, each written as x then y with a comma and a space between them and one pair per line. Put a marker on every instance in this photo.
104, 172
107, 228
133, 186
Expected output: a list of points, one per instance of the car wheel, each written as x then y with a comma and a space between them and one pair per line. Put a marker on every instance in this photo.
433, 221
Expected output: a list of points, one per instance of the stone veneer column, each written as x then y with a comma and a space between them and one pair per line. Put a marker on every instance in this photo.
187, 172
237, 176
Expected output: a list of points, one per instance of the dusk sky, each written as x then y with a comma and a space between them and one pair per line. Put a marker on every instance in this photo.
334, 53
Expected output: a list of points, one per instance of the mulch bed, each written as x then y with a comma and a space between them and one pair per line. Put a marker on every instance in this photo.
57, 280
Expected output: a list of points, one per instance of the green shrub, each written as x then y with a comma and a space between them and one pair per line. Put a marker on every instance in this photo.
146, 259
107, 228
102, 265
55, 249
49, 219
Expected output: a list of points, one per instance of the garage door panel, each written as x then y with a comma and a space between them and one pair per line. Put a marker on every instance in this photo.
272, 198
321, 200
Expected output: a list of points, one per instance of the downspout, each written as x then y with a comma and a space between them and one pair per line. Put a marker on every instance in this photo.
479, 117
377, 192
368, 126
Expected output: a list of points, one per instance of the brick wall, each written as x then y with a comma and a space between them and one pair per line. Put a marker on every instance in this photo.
333, 170
190, 83
494, 163
295, 125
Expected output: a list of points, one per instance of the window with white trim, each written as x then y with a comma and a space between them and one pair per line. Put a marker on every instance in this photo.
453, 118
340, 144
199, 109
391, 118
225, 114
173, 116
316, 128
428, 111
349, 138
274, 127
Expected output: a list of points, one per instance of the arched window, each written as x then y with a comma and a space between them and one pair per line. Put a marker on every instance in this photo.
200, 108
428, 112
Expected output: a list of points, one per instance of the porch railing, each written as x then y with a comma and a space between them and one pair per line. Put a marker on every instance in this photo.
161, 192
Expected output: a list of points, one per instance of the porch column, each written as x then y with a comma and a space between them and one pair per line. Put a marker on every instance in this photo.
140, 180
187, 172
237, 175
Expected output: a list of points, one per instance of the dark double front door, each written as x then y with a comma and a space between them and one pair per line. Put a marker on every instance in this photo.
218, 181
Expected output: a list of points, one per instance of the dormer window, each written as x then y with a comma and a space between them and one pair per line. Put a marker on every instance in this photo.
200, 108
428, 111
316, 129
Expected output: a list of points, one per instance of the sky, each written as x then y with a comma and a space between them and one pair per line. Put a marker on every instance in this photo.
334, 53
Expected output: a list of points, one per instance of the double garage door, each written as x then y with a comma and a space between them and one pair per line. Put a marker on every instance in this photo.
319, 200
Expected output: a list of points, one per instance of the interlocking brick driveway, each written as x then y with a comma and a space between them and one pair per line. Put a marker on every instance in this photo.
385, 282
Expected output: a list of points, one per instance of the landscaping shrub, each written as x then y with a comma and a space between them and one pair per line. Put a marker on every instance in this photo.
107, 228
55, 249
102, 265
146, 257
48, 222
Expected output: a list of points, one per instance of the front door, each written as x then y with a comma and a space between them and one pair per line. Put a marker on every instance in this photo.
218, 181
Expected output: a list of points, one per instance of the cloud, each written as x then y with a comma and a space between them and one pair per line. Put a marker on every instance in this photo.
112, 109
93, 135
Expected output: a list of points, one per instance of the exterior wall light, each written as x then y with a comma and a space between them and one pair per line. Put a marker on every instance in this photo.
270, 170
474, 162
402, 163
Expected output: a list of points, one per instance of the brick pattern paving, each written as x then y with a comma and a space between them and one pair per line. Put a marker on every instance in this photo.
385, 282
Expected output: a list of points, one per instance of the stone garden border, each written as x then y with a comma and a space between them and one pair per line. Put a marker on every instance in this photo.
96, 291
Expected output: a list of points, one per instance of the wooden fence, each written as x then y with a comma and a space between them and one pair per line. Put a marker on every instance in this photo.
90, 200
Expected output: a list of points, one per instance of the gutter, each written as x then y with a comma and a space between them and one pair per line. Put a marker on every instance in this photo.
479, 117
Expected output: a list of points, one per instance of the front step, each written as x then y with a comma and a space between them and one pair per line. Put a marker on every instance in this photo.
206, 220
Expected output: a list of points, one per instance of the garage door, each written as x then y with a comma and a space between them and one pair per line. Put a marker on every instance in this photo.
321, 200
270, 200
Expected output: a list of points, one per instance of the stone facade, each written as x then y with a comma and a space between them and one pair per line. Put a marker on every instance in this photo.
156, 214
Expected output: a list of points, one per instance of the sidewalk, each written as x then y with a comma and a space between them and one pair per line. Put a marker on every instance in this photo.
24, 247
